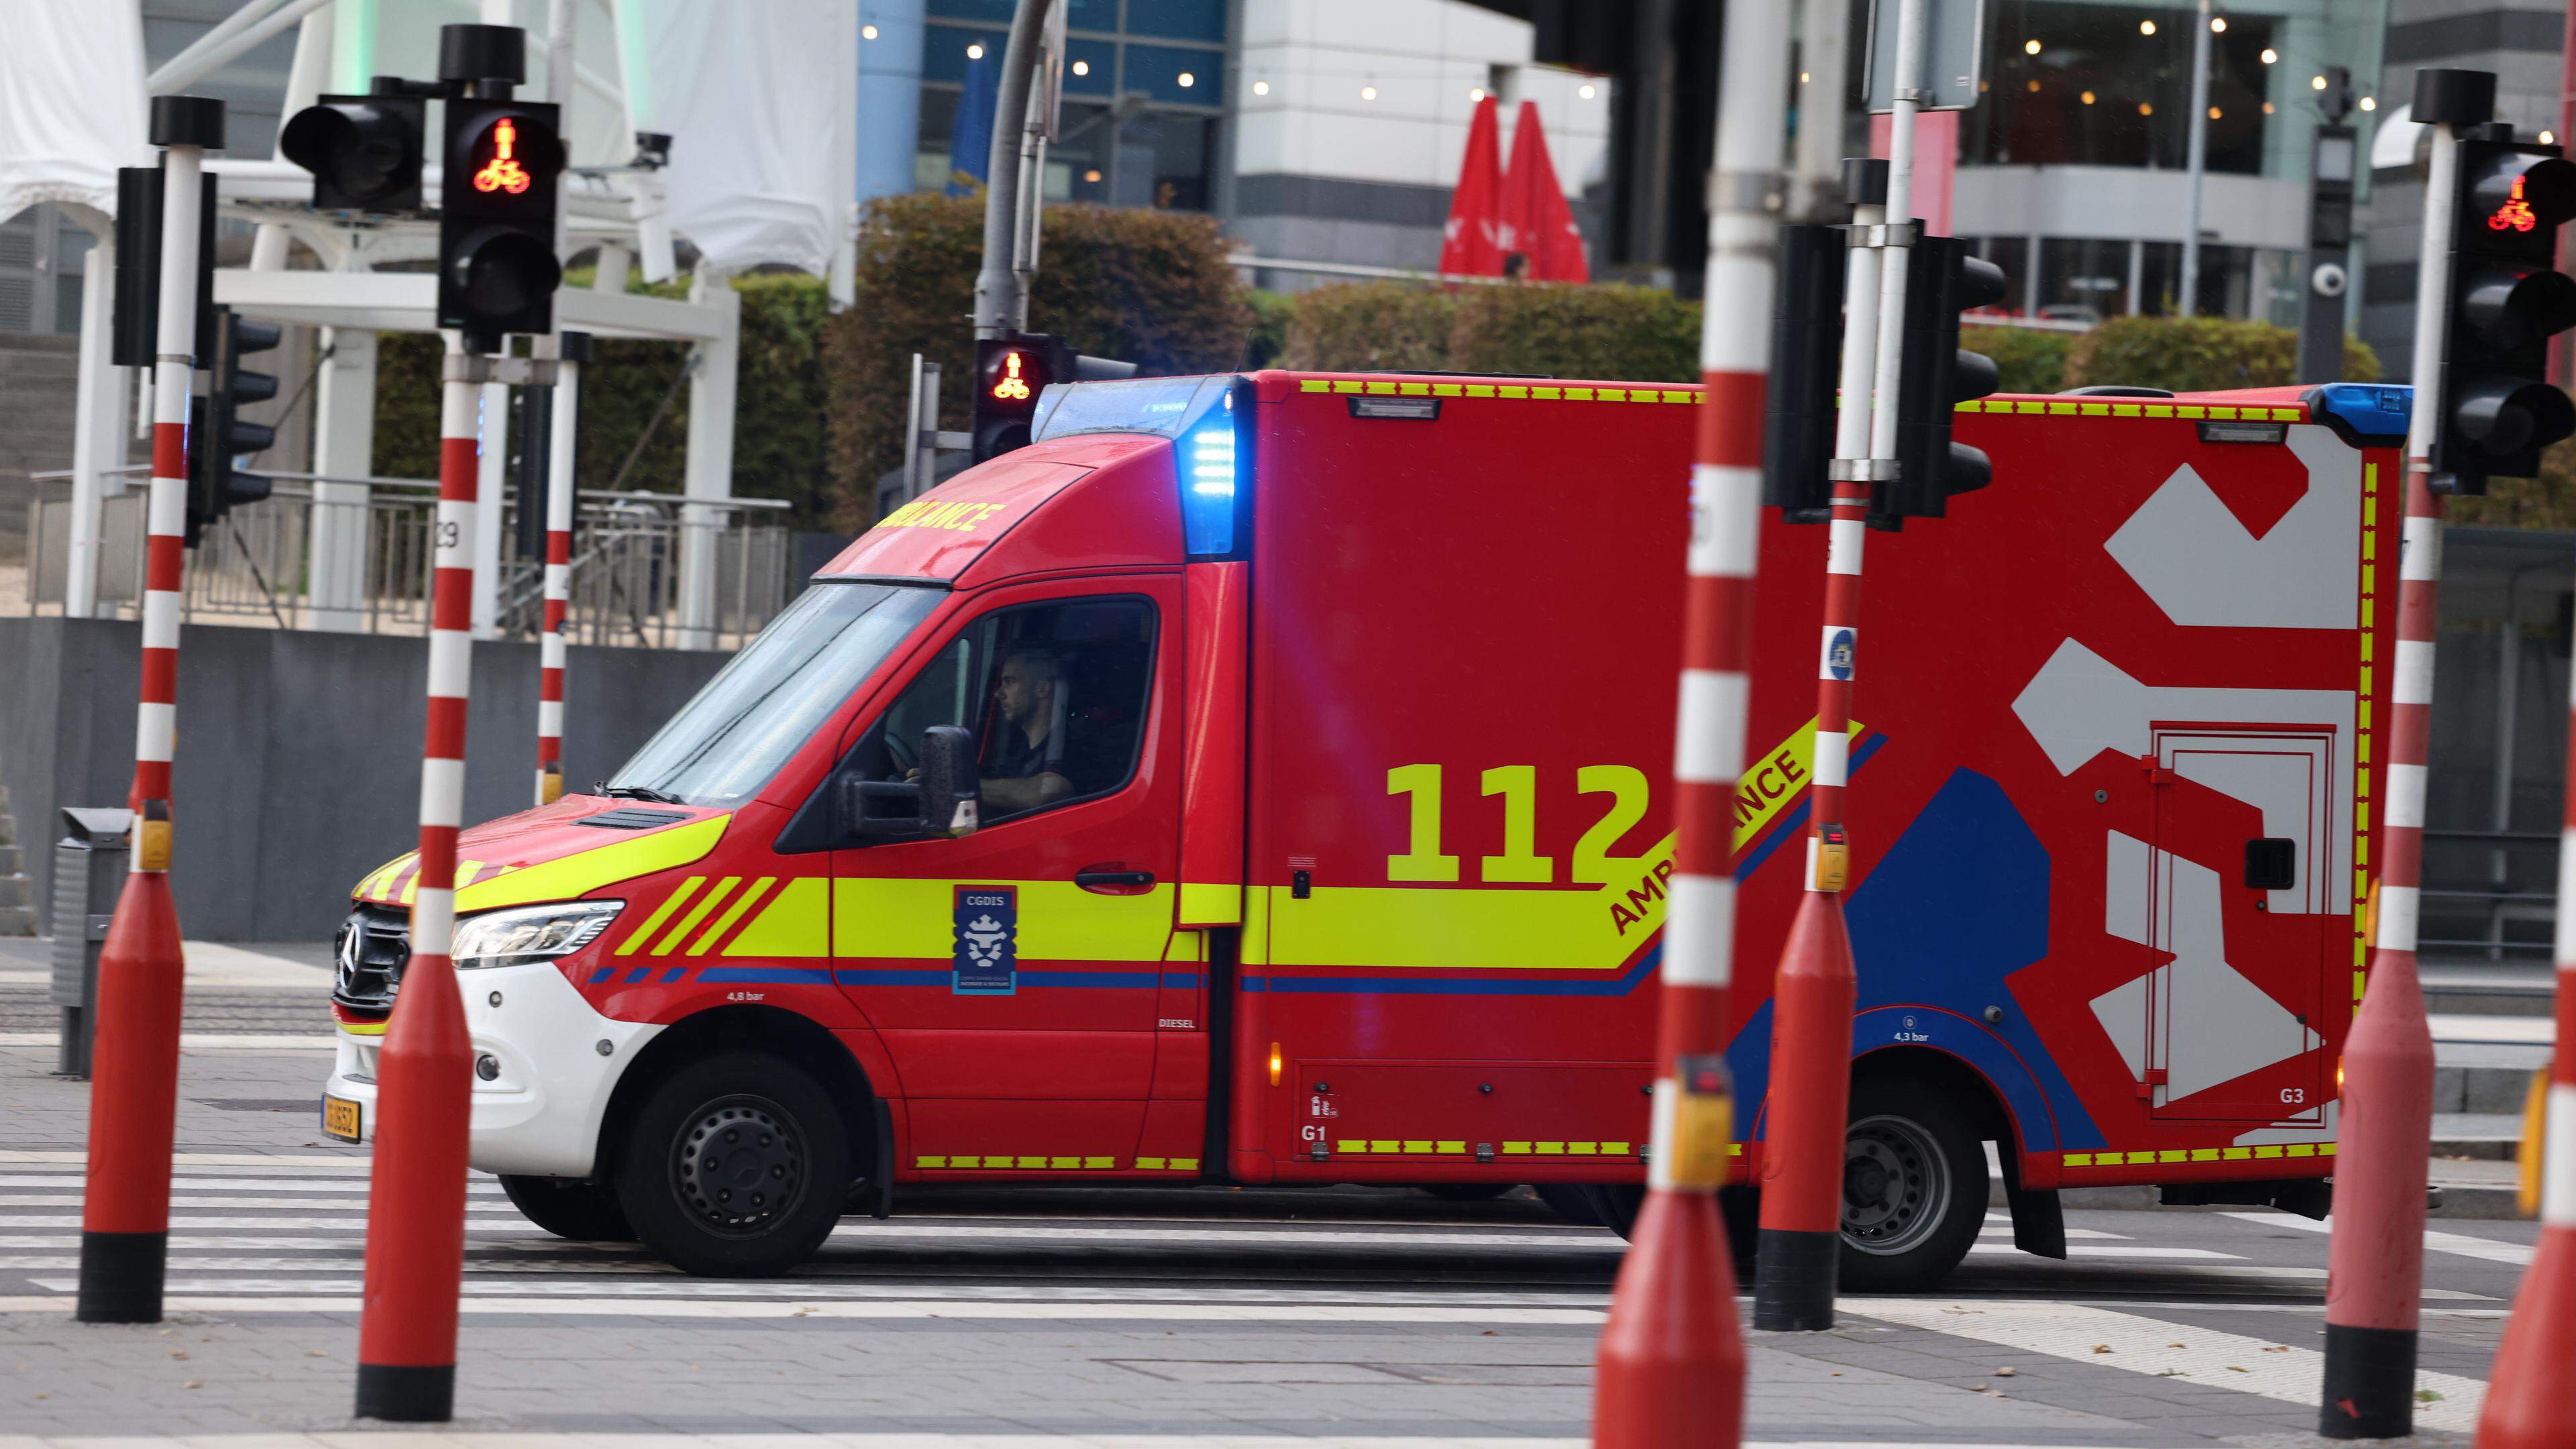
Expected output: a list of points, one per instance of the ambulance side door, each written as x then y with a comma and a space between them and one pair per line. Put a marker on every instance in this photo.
1013, 973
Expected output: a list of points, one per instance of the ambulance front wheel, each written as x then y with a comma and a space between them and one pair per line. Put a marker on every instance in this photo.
1914, 1187
580, 1211
735, 1167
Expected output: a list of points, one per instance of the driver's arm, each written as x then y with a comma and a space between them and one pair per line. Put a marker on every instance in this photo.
1024, 792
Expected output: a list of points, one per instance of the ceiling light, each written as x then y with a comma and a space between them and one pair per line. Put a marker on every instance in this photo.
1368, 93
2032, 87
2145, 109
1188, 80
2270, 55
1475, 93
1587, 91
975, 50
2267, 108
2088, 98
2218, 25
2317, 84
2370, 103
2215, 114
2146, 27
1261, 88
867, 32
2030, 47
1091, 175
1082, 67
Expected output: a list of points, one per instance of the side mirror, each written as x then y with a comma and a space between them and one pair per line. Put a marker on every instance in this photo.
942, 801
949, 786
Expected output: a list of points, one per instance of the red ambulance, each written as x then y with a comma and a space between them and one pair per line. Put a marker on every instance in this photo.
1263, 779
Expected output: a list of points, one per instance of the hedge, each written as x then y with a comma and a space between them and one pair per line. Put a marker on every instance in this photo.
1151, 287
1609, 331
780, 409
2028, 359
2199, 354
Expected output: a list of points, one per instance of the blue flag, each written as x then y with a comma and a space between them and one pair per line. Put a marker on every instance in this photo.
970, 145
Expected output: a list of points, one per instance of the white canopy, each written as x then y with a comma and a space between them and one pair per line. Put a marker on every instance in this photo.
71, 102
761, 166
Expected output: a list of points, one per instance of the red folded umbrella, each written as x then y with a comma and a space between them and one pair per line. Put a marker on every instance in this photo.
1472, 244
1537, 224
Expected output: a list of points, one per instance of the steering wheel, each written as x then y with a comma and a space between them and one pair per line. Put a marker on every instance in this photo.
906, 757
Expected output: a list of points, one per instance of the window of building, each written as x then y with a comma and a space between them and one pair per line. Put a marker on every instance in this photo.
2100, 90
1157, 147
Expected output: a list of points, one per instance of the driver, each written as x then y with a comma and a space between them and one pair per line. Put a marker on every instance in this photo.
1029, 758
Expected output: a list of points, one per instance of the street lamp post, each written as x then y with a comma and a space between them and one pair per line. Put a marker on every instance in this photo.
2199, 163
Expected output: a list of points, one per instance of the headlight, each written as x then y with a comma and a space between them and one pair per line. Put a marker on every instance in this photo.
530, 933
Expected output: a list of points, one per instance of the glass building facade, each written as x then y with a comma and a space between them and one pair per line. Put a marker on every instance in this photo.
2073, 166
1156, 147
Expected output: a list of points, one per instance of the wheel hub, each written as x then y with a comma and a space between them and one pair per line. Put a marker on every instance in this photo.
738, 1165
1896, 1185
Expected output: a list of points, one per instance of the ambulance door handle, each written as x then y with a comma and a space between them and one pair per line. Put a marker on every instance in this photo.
1113, 879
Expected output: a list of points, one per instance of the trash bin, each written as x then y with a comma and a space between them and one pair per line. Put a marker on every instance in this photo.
89, 872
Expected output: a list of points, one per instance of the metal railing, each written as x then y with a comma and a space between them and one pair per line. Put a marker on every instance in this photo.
2494, 920
269, 564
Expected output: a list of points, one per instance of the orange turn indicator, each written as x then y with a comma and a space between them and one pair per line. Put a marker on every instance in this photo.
504, 173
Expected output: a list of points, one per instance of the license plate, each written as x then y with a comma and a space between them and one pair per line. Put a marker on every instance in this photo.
340, 1118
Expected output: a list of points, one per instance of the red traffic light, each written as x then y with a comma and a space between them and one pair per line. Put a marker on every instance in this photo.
1018, 375
501, 170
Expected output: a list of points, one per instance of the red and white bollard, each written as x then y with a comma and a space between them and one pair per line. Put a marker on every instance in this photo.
566, 402
134, 1067
2526, 1404
2375, 1264
1670, 1369
1798, 1252
416, 1193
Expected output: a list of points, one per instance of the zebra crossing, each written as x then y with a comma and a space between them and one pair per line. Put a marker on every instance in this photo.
253, 1233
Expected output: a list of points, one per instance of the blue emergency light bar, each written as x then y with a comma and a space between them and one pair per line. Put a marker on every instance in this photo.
1209, 420
2364, 414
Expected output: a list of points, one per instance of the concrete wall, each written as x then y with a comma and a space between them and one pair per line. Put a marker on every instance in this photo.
299, 753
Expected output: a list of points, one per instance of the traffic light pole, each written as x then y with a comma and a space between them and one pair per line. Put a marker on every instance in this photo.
134, 1072
1670, 1369
416, 1192
1808, 1104
2375, 1275
559, 516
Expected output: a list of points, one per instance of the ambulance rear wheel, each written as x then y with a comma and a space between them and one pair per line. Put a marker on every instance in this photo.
569, 1208
1914, 1187
736, 1167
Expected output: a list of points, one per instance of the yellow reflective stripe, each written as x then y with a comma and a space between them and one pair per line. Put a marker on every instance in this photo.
582, 872
732, 913
697, 913
635, 939
1211, 904
1059, 921
796, 922
363, 1028
1472, 929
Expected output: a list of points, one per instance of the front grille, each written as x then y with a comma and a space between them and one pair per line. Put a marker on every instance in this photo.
368, 957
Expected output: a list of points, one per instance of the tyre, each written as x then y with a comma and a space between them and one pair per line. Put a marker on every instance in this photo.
1914, 1187
1595, 1205
736, 1167
569, 1208
1468, 1191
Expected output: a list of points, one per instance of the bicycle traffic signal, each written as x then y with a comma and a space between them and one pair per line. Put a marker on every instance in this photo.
1942, 281
2499, 409
497, 268
364, 151
216, 432
1010, 372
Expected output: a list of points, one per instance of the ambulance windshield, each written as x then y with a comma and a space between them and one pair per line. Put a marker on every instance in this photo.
723, 746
